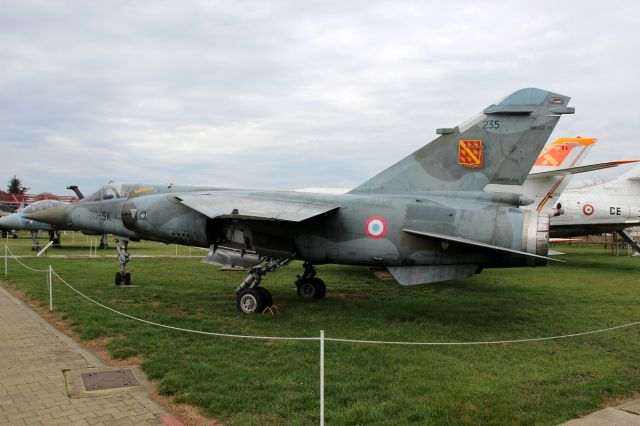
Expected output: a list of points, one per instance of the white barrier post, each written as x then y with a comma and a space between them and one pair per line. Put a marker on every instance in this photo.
321, 377
6, 258
50, 290
176, 250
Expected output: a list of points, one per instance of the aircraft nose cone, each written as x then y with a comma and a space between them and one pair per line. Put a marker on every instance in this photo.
10, 222
54, 216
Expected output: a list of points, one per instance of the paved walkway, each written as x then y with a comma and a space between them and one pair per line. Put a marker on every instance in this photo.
40, 381
627, 414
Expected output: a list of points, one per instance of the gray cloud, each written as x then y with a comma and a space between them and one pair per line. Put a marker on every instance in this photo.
291, 94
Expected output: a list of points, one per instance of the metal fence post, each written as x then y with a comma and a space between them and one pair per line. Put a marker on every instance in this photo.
50, 290
321, 377
6, 258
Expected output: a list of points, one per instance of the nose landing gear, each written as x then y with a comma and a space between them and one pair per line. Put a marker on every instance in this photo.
123, 277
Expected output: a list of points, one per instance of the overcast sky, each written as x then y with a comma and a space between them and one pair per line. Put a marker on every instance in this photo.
285, 95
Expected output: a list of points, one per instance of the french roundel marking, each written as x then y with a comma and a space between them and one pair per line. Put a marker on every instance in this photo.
376, 227
588, 209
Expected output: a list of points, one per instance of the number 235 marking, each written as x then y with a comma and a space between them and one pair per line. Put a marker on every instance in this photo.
491, 124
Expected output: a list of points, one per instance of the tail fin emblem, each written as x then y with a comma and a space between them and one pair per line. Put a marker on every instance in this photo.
470, 153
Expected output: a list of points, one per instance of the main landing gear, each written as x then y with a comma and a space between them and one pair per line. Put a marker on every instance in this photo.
123, 277
251, 298
308, 285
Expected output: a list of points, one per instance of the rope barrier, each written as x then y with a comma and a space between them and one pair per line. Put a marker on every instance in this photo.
207, 333
338, 340
18, 260
334, 339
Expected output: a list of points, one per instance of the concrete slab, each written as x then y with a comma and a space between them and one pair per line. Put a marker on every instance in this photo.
631, 407
609, 416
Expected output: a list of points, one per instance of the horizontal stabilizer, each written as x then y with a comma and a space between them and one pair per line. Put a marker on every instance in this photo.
246, 207
580, 169
414, 275
473, 243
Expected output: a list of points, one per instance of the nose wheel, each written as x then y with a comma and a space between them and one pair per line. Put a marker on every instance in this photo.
123, 278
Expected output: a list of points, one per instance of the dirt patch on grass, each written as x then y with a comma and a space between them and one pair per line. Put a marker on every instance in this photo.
189, 414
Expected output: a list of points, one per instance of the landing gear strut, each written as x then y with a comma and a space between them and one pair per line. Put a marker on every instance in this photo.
308, 286
123, 277
251, 298
54, 236
104, 242
34, 241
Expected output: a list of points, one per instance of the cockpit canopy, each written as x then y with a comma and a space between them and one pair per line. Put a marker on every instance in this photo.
110, 191
41, 205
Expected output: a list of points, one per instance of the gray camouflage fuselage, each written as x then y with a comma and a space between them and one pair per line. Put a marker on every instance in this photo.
340, 236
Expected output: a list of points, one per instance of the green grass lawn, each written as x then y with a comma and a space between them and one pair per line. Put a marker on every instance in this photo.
276, 382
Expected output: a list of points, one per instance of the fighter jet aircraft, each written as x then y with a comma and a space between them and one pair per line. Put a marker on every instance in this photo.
18, 221
426, 218
610, 207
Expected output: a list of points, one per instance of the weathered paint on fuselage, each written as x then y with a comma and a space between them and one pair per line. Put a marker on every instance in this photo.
341, 236
100, 213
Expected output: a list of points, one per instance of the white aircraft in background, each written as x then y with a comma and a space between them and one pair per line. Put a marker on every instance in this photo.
610, 207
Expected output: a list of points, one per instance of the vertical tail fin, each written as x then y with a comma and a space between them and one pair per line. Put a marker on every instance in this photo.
562, 154
497, 146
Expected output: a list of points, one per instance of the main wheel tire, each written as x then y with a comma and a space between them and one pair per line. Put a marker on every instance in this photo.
311, 288
250, 301
118, 278
266, 297
305, 288
127, 278
321, 288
